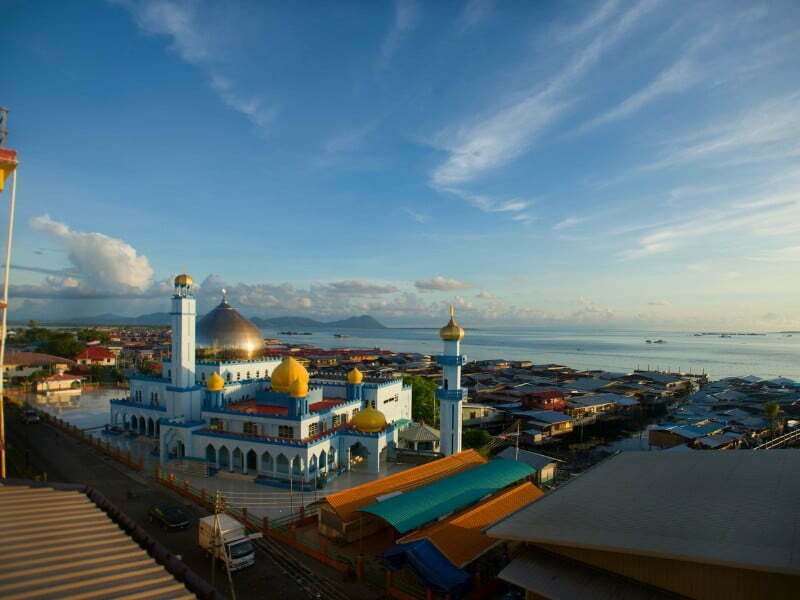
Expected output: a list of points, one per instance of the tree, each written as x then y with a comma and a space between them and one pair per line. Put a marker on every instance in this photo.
423, 399
771, 411
90, 335
475, 438
62, 343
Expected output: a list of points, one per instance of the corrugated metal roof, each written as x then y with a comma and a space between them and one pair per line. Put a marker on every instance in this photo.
59, 544
430, 502
727, 508
549, 576
461, 538
348, 501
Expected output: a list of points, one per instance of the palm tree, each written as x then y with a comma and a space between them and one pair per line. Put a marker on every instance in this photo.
771, 411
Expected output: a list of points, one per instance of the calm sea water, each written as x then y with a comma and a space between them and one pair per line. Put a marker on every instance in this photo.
770, 355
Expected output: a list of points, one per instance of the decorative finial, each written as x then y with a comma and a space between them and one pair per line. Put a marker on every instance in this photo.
452, 311
224, 295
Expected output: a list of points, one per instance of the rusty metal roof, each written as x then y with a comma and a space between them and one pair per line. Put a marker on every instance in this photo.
59, 544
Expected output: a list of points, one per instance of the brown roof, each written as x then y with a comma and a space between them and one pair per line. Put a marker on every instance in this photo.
348, 501
59, 544
35, 359
461, 538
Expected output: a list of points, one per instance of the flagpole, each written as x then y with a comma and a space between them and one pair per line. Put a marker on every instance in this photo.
4, 308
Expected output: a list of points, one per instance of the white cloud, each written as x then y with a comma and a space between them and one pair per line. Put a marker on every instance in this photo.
678, 77
197, 41
485, 295
474, 12
101, 262
568, 222
780, 255
771, 215
418, 216
440, 284
405, 19
658, 303
491, 142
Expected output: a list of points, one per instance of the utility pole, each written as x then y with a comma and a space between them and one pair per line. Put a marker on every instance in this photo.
8, 166
218, 543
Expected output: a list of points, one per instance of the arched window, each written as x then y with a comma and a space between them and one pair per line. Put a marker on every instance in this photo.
228, 377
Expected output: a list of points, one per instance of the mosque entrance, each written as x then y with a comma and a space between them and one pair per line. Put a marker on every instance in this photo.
358, 454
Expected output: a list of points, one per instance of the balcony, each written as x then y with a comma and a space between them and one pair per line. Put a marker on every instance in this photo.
451, 395
451, 361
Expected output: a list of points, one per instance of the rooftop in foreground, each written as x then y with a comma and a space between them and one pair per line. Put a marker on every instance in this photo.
58, 544
736, 508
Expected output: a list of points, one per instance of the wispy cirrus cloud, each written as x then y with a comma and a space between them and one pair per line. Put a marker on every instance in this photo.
504, 133
406, 14
568, 222
678, 77
474, 12
198, 42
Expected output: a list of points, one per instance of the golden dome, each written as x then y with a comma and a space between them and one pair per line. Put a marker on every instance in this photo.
215, 383
184, 280
298, 389
285, 374
369, 420
355, 376
452, 332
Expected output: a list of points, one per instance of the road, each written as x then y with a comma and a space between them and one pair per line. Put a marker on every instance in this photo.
40, 448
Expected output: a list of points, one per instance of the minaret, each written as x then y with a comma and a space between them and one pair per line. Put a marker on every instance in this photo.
450, 394
183, 345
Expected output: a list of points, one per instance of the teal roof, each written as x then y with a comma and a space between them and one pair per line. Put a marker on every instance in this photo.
424, 504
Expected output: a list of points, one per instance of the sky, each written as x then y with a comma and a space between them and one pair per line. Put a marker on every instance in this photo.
608, 164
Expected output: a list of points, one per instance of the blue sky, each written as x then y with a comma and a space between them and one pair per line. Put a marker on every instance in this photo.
611, 163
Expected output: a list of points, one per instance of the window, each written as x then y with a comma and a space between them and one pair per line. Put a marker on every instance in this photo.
258, 374
169, 373
313, 429
250, 428
217, 424
336, 421
238, 375
228, 377
285, 431
248, 375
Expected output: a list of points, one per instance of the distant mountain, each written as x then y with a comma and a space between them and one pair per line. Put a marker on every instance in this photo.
157, 319
362, 322
162, 318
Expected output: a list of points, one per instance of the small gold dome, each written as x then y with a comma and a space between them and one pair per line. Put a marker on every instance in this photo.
298, 389
184, 280
355, 376
286, 372
215, 383
369, 420
452, 332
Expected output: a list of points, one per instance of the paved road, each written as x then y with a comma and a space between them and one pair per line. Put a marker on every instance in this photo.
41, 448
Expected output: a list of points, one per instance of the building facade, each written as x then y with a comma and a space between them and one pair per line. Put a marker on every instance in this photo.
262, 416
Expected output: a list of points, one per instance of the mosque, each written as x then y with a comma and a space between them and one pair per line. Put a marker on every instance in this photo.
266, 416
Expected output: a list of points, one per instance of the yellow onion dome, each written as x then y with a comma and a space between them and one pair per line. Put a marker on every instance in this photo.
369, 420
183, 280
215, 383
355, 376
298, 389
286, 372
452, 332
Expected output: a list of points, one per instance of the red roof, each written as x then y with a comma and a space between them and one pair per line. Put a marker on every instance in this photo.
325, 404
250, 407
96, 353
63, 377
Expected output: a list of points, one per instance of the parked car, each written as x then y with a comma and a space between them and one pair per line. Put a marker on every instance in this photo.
169, 517
30, 416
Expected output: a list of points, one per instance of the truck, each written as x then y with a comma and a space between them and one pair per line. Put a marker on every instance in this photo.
231, 544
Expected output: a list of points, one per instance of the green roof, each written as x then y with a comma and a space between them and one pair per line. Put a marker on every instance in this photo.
424, 504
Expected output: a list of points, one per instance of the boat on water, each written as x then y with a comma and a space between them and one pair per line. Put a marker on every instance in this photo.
340, 335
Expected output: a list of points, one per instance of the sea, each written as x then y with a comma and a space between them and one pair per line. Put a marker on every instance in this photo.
769, 355
764, 355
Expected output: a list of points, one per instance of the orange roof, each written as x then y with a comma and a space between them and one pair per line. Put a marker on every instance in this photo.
348, 501
461, 539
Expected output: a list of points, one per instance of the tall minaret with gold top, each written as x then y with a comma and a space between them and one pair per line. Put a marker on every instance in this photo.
450, 394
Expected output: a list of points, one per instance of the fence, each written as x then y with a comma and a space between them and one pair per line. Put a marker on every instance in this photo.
283, 529
104, 446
